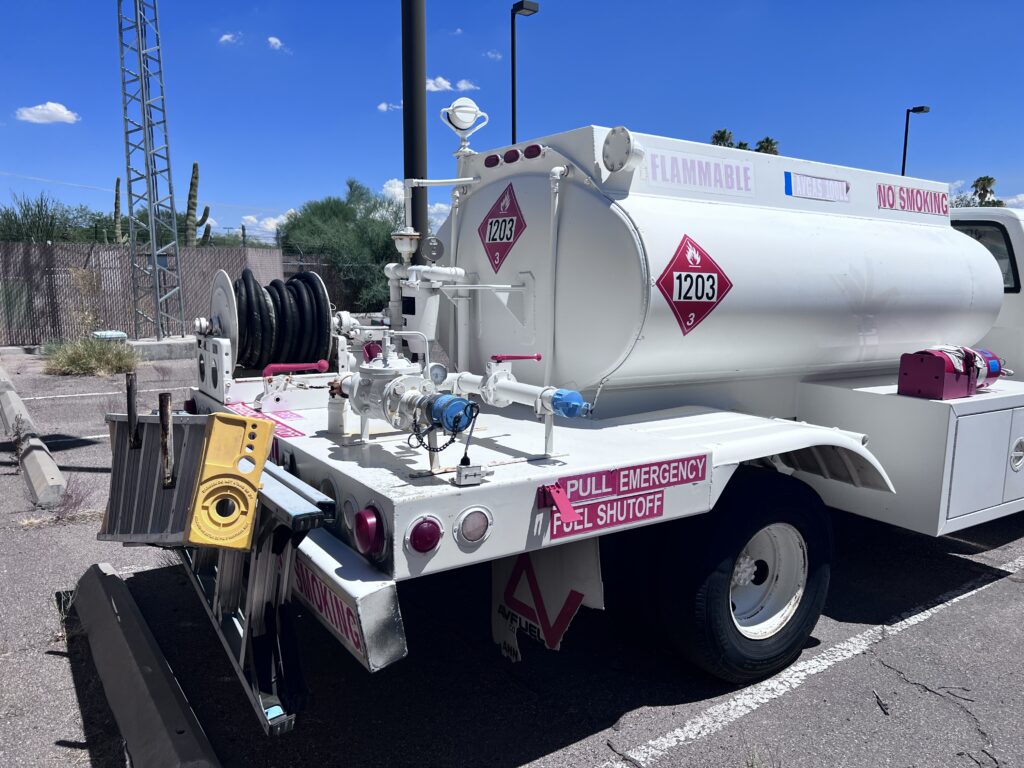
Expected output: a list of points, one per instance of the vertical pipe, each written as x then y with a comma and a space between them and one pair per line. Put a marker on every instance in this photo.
513, 25
166, 439
131, 389
906, 134
414, 108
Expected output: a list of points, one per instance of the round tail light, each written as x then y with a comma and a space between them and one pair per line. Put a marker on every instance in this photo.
369, 532
532, 151
511, 156
473, 526
491, 160
424, 535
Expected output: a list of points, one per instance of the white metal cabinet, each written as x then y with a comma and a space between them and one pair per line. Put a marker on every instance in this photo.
1013, 488
979, 462
947, 459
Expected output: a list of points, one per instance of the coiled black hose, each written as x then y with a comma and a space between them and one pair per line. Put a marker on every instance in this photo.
284, 322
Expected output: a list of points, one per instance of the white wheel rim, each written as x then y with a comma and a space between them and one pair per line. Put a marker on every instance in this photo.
768, 581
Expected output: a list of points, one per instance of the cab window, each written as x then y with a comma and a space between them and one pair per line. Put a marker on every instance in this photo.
995, 237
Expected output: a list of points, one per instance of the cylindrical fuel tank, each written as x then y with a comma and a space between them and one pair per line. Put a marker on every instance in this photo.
654, 290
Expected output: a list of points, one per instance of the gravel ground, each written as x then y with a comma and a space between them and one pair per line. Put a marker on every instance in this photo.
914, 663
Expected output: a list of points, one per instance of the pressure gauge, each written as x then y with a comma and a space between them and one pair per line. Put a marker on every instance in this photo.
438, 373
432, 249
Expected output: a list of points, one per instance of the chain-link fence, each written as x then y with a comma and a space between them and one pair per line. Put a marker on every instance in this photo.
65, 290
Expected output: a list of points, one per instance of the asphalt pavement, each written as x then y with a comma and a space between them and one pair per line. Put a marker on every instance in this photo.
915, 662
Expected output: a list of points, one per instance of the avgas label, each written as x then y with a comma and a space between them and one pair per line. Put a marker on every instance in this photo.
501, 228
617, 497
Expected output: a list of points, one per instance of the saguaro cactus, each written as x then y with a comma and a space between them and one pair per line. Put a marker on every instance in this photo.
191, 225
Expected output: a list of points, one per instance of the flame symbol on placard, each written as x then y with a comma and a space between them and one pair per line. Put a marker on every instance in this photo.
505, 201
692, 256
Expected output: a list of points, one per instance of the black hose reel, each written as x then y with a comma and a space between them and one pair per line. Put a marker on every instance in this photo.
284, 322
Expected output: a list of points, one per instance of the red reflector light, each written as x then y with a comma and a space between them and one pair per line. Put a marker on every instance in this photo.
369, 532
491, 160
425, 534
532, 151
511, 156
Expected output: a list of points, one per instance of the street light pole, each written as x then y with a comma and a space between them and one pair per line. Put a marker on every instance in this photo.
521, 8
906, 133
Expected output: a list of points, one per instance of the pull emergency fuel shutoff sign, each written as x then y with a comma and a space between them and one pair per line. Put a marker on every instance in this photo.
692, 284
501, 227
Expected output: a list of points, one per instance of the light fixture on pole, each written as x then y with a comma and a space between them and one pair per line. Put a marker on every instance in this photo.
521, 8
906, 133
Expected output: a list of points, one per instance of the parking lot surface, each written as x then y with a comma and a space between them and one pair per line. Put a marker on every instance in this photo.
916, 661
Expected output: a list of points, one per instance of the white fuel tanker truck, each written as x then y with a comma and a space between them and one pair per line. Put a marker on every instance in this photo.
617, 331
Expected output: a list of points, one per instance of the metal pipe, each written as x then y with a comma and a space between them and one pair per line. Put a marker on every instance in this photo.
513, 25
558, 173
166, 439
906, 135
414, 108
131, 390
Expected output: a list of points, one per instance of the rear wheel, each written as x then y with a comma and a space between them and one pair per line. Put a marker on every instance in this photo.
744, 608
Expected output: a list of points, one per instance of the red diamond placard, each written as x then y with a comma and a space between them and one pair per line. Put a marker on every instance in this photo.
501, 227
692, 284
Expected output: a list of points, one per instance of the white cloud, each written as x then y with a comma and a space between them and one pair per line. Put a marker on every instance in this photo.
387, 106
436, 84
955, 187
437, 213
267, 225
50, 112
212, 222
457, 31
493, 55
1017, 201
467, 85
230, 38
394, 189
275, 43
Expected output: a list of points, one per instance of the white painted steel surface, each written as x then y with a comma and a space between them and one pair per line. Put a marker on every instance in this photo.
948, 459
836, 283
384, 473
768, 581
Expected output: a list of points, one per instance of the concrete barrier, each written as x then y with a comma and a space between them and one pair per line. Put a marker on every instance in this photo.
46, 483
152, 713
170, 348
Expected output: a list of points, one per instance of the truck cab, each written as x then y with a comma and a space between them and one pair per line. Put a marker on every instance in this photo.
1001, 230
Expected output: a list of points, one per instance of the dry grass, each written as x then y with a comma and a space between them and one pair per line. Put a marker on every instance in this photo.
89, 357
73, 508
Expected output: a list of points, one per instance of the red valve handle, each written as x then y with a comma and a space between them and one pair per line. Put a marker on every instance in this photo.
320, 366
503, 358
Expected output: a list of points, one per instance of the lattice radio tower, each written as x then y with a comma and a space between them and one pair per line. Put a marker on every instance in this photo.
152, 225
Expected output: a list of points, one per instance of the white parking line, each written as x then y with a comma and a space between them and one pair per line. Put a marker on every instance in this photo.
100, 394
715, 718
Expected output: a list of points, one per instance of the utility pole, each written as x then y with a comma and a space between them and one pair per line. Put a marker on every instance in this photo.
153, 242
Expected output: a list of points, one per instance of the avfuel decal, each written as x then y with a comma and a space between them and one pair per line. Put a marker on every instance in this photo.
893, 197
617, 497
693, 284
501, 228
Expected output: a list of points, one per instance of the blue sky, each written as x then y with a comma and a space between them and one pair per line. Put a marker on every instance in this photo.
275, 124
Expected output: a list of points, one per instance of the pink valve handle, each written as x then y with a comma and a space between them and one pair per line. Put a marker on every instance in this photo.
320, 366
503, 358
554, 496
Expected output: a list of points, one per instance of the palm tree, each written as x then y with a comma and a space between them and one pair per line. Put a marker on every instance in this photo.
984, 188
722, 138
767, 146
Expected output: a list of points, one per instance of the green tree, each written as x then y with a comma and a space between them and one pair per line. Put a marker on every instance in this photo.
985, 191
722, 138
354, 232
767, 146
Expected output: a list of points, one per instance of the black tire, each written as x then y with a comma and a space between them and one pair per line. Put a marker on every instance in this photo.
698, 612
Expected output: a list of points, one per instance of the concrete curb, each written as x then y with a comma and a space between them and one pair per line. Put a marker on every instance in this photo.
45, 482
152, 713
173, 348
